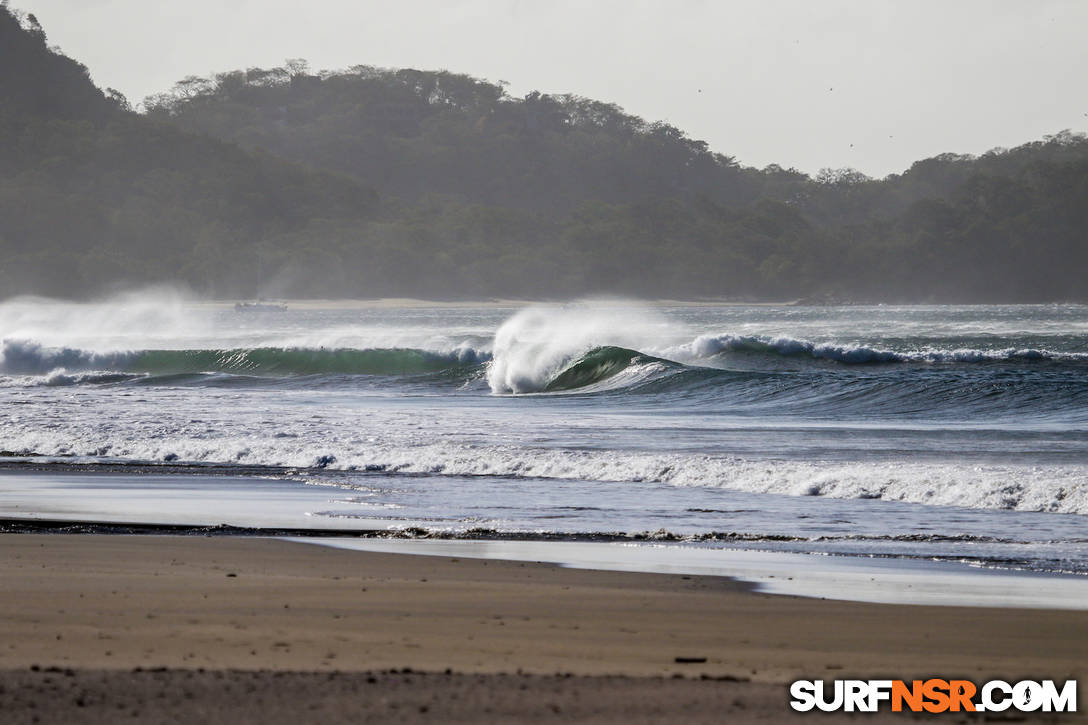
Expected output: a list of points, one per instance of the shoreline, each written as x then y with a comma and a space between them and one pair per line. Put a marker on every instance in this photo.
233, 629
172, 500
121, 602
839, 577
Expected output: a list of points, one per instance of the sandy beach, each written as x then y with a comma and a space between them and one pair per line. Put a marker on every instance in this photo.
97, 615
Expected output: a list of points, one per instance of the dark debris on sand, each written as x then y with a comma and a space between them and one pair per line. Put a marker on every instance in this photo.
60, 695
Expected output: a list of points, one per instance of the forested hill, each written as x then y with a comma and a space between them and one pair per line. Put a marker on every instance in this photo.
95, 197
375, 182
413, 133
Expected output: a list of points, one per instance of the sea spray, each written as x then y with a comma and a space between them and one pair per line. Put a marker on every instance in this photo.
772, 400
538, 343
130, 320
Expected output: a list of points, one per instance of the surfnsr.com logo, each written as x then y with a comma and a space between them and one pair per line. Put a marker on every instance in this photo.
933, 695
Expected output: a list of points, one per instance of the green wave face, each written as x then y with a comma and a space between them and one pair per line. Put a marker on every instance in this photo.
596, 365
292, 361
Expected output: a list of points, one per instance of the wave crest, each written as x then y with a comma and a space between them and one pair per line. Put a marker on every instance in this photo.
543, 348
31, 358
709, 346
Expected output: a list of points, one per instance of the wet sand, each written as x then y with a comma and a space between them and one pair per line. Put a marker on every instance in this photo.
103, 606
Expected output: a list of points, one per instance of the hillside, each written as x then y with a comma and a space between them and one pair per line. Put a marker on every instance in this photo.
94, 196
379, 182
625, 205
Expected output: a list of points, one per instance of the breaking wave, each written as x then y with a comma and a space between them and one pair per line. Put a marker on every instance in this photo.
553, 349
575, 348
1045, 488
31, 358
709, 346
606, 364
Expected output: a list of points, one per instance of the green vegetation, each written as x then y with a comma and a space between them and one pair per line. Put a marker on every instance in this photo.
94, 196
372, 182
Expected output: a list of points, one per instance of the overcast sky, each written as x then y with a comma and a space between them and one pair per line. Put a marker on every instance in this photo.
872, 84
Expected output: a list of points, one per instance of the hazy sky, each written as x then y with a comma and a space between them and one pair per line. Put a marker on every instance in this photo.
872, 84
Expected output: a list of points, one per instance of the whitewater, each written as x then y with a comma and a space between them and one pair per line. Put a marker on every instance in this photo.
931, 431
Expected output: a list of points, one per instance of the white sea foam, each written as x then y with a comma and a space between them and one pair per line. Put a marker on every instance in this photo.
641, 440
1050, 488
530, 348
537, 343
709, 346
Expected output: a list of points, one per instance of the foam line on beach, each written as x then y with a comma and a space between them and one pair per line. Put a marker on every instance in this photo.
860, 579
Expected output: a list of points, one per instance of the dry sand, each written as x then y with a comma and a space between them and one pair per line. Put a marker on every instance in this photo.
101, 606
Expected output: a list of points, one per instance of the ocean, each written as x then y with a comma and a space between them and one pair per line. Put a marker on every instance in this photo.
899, 433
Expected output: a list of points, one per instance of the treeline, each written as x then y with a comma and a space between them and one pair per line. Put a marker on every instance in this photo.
375, 182
94, 196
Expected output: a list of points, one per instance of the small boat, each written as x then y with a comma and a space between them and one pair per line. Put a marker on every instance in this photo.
259, 307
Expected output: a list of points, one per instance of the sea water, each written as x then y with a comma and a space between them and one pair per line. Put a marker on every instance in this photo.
921, 432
